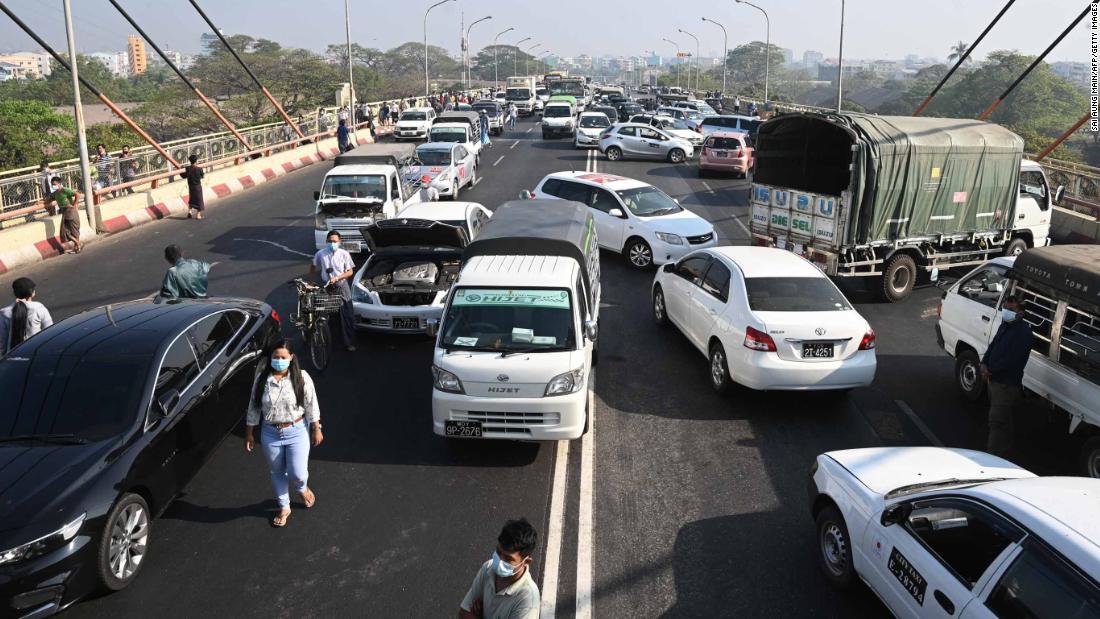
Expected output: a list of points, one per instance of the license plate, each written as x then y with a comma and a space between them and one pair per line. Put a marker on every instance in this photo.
462, 428
817, 350
406, 322
352, 246
722, 154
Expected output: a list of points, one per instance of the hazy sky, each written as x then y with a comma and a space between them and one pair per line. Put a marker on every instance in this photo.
873, 28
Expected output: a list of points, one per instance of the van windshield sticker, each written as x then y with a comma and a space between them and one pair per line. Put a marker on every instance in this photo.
484, 297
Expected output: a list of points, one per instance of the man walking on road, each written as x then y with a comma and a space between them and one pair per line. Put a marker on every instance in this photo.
512, 113
1003, 368
503, 587
336, 268
186, 278
342, 138
66, 200
194, 173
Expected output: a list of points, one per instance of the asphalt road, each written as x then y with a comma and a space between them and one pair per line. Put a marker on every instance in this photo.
679, 503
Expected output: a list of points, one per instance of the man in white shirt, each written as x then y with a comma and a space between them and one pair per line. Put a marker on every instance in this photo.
503, 587
336, 268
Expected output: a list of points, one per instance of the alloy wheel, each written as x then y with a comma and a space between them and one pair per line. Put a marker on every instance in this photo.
717, 367
640, 255
128, 540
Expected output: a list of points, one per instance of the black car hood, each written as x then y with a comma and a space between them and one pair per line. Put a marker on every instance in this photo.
36, 481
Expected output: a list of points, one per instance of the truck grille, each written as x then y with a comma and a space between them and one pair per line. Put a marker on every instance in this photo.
702, 238
406, 298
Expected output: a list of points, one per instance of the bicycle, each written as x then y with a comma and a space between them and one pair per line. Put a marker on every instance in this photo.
314, 306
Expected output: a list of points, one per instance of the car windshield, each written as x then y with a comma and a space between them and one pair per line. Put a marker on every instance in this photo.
724, 143
794, 294
414, 116
542, 92
692, 114
674, 123
631, 108
509, 319
567, 88
91, 397
705, 109
557, 111
595, 122
491, 109
360, 186
448, 134
434, 156
648, 202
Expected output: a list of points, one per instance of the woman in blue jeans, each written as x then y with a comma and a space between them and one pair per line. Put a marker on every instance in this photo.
284, 400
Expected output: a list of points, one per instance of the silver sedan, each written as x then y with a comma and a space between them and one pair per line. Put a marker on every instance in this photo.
641, 141
446, 167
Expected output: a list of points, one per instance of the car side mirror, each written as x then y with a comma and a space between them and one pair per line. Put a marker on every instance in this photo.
1059, 193
591, 329
167, 401
617, 212
669, 267
316, 195
895, 514
431, 327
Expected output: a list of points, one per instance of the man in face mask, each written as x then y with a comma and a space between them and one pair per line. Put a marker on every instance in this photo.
503, 587
335, 268
1003, 368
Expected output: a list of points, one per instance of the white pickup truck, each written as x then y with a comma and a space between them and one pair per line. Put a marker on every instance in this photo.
1060, 289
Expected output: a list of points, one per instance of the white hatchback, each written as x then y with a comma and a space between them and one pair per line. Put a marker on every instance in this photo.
589, 127
766, 319
633, 218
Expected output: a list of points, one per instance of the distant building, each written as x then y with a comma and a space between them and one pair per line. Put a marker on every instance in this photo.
209, 42
811, 59
788, 56
1076, 72
9, 71
135, 52
912, 60
654, 60
117, 63
32, 65
827, 70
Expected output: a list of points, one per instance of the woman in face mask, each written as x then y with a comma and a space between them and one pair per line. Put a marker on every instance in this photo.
22, 319
284, 400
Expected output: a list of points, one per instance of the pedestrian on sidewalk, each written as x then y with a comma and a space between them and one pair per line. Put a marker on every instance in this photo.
343, 140
483, 124
193, 172
737, 104
384, 114
336, 269
1003, 368
284, 400
127, 167
187, 278
343, 114
503, 587
67, 201
104, 165
45, 175
22, 319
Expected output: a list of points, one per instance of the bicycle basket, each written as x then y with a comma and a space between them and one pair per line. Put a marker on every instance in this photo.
320, 301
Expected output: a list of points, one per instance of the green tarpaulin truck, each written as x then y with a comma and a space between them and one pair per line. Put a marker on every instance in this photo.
890, 196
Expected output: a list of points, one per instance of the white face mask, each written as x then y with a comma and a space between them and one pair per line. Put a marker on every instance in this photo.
502, 568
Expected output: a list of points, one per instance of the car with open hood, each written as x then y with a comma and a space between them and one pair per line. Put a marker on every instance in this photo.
415, 258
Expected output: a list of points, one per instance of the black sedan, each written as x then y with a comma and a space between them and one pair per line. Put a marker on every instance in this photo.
627, 109
106, 416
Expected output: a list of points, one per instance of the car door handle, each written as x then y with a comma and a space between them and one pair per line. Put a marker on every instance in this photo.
947, 604
985, 318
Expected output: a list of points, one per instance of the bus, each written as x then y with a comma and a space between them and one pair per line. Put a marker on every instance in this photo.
572, 86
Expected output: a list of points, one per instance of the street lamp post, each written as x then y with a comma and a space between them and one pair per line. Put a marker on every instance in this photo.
840, 59
696, 63
468, 66
426, 87
767, 46
527, 58
496, 61
725, 53
351, 71
515, 51
677, 46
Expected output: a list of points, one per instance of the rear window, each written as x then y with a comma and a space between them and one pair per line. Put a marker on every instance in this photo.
490, 108
794, 294
727, 143
414, 116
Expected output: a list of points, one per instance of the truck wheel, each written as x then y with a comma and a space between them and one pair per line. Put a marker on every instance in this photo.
1015, 247
898, 277
614, 153
968, 375
1090, 457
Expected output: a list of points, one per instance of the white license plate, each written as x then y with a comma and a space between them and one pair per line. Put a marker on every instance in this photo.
406, 322
355, 246
721, 153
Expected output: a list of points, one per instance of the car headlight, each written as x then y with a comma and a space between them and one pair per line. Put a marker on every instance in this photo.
670, 238
446, 381
361, 294
569, 382
43, 544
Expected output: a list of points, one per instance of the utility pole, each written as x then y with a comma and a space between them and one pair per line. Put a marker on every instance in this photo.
840, 61
82, 140
696, 63
515, 50
351, 73
768, 43
678, 60
469, 63
496, 59
726, 53
427, 91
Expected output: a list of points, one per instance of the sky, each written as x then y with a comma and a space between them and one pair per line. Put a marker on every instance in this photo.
874, 29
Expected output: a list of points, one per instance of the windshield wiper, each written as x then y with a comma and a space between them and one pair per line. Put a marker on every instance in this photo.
943, 483
60, 439
530, 349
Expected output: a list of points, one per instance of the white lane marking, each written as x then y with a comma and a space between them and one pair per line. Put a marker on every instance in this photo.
584, 518
743, 227
514, 144
279, 245
551, 563
501, 158
708, 187
530, 130
917, 421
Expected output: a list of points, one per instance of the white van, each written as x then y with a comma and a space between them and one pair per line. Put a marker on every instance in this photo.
518, 339
1060, 289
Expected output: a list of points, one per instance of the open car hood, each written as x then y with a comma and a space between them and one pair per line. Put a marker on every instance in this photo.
407, 232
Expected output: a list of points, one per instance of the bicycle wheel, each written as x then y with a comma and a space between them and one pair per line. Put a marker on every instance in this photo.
320, 346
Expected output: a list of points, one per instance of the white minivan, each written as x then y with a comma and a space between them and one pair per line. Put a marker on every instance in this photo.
515, 348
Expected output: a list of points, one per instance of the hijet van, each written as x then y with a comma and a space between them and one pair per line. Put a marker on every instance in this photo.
515, 348
459, 127
1059, 287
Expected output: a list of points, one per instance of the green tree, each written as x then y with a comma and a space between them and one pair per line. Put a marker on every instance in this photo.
957, 51
30, 131
746, 64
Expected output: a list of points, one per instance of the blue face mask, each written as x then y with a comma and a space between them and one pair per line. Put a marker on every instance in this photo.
502, 568
280, 365
334, 246
1008, 315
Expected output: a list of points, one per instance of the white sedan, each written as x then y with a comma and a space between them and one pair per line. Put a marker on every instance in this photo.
766, 319
938, 532
445, 166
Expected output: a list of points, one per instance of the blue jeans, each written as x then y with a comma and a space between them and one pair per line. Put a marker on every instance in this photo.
287, 452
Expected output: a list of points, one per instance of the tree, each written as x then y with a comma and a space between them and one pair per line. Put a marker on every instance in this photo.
30, 131
745, 64
957, 51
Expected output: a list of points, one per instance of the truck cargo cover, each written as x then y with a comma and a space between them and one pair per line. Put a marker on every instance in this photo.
1071, 269
909, 177
376, 154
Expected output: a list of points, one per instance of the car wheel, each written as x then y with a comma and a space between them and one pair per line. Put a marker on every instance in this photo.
639, 254
473, 175
1015, 247
898, 277
123, 543
454, 190
719, 369
834, 548
968, 375
660, 313
1090, 457
676, 155
614, 153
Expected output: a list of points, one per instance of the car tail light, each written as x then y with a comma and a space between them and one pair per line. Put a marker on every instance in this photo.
758, 340
275, 316
868, 341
